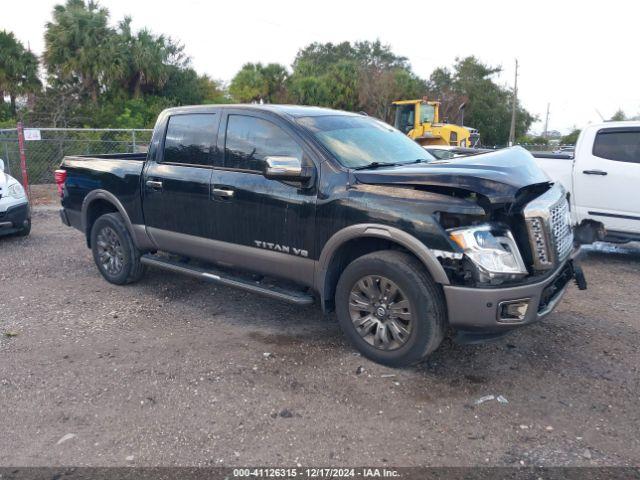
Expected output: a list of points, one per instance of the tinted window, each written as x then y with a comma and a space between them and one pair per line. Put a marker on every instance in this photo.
404, 118
360, 141
191, 139
621, 145
250, 140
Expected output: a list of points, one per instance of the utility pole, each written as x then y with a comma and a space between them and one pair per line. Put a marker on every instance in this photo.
546, 122
512, 130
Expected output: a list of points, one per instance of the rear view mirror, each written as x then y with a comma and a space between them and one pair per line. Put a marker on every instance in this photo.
284, 168
1, 165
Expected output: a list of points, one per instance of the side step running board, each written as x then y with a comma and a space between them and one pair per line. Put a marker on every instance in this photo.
215, 276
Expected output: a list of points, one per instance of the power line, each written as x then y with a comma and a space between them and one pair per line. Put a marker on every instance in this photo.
546, 122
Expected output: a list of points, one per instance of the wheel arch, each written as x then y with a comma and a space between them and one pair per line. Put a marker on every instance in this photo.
96, 204
365, 238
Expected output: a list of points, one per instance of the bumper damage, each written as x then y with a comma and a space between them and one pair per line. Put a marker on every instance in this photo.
483, 314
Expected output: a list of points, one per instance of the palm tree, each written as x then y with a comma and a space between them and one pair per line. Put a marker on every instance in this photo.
147, 57
275, 78
18, 69
80, 46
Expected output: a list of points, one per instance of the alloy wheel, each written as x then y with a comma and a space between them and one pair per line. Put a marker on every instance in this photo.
110, 251
380, 312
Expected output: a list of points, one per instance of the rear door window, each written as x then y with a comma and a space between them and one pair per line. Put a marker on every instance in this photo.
622, 145
250, 140
191, 139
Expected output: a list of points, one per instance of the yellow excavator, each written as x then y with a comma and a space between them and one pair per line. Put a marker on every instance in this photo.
420, 120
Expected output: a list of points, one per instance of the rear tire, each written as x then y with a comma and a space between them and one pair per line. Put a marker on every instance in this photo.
390, 308
115, 254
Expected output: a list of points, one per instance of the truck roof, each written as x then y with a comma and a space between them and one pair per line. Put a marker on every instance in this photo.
289, 110
623, 124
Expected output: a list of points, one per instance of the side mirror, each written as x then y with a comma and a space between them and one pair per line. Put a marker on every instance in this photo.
1, 165
285, 168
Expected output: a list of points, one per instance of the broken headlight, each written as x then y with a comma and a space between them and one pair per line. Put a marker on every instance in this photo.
492, 250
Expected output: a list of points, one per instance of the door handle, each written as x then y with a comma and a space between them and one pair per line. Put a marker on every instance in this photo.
154, 184
222, 192
594, 172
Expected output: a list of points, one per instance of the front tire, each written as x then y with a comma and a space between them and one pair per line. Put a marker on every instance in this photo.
115, 254
25, 230
390, 308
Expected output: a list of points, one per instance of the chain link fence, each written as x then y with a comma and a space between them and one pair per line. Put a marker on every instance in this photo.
9, 151
45, 147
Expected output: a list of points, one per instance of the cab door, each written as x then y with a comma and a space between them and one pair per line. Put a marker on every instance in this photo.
607, 177
263, 224
176, 200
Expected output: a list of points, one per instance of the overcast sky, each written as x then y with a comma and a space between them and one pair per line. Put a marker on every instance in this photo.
580, 56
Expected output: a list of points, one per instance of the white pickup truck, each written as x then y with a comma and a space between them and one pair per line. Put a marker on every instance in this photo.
603, 180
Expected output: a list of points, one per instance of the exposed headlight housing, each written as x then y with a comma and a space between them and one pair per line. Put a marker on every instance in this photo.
16, 191
492, 250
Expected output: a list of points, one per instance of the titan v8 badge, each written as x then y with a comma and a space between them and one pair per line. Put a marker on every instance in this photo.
281, 248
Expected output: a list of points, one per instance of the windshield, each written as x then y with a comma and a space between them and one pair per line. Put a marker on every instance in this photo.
427, 112
358, 142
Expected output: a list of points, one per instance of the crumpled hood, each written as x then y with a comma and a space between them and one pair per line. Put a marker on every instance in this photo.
496, 175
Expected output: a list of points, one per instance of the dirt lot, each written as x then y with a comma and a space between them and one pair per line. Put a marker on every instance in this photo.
172, 371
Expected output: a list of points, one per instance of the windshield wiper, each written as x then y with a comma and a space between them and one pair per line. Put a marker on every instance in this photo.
389, 164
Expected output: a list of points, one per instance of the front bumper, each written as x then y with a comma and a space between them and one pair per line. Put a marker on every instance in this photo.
14, 218
479, 309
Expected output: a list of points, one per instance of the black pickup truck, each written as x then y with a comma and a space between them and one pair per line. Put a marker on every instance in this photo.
303, 203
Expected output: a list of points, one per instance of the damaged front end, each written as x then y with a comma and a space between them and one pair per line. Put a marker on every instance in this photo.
509, 246
518, 226
512, 267
523, 239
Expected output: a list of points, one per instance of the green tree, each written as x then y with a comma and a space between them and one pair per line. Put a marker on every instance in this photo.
248, 84
341, 86
212, 91
99, 76
378, 88
275, 78
185, 87
308, 90
148, 57
259, 83
316, 59
619, 116
365, 76
572, 138
18, 70
487, 104
81, 47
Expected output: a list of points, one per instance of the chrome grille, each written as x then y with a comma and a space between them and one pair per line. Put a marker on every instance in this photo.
549, 227
561, 232
537, 237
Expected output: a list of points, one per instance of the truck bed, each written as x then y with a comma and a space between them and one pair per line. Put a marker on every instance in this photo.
117, 174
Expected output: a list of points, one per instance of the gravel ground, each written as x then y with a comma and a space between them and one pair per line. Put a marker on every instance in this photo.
172, 371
